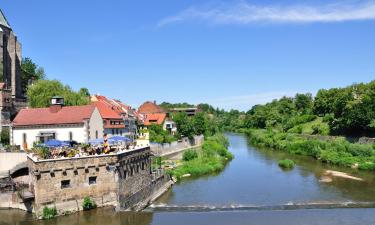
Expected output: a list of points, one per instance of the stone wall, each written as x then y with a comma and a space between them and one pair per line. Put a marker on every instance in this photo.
10, 160
121, 180
184, 143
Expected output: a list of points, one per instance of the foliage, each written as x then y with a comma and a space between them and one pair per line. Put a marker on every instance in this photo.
42, 151
88, 203
184, 124
334, 150
286, 164
40, 94
4, 135
30, 72
212, 158
49, 213
159, 135
190, 155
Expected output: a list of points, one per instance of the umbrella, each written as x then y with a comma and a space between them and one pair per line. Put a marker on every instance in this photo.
56, 143
119, 139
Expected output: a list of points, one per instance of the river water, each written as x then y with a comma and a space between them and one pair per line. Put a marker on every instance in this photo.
251, 190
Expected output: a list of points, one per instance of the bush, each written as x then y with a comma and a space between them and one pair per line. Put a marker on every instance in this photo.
286, 164
190, 155
4, 136
49, 213
88, 204
319, 129
42, 151
367, 166
296, 130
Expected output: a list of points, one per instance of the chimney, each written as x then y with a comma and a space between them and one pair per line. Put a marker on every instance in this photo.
57, 103
155, 102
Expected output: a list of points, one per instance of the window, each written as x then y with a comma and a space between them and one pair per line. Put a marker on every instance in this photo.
65, 184
113, 131
92, 180
24, 138
96, 134
70, 136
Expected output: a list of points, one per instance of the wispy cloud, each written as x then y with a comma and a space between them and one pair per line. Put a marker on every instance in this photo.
245, 102
244, 13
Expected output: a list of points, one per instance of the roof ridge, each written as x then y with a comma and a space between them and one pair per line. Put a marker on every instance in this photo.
3, 20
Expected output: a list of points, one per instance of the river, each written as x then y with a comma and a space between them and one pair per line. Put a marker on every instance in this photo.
252, 189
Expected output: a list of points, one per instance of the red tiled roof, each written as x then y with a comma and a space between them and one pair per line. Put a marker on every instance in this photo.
107, 111
44, 116
154, 118
150, 107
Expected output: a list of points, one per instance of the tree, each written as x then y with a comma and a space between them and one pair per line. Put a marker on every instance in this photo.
303, 102
184, 124
200, 123
40, 94
30, 72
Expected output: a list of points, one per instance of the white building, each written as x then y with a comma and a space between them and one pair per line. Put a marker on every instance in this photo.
64, 123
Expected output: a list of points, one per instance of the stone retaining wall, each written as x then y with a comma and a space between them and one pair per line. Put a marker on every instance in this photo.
184, 143
122, 180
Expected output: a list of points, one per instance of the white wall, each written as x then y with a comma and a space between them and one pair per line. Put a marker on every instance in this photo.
62, 133
96, 124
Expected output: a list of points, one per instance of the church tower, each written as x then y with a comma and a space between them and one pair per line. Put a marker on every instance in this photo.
10, 59
12, 98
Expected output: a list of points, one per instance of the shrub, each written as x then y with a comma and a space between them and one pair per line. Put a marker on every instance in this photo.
88, 204
4, 136
189, 155
286, 164
367, 166
296, 130
360, 150
43, 152
49, 213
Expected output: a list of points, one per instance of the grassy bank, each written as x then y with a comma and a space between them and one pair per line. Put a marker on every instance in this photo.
336, 151
212, 158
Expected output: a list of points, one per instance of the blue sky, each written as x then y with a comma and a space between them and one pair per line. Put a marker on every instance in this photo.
232, 54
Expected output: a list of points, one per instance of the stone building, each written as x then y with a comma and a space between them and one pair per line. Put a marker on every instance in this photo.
12, 96
123, 180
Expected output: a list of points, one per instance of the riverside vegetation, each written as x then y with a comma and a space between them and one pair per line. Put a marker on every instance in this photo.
212, 158
325, 127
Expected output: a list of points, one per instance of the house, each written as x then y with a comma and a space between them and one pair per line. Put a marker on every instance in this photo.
65, 123
119, 119
192, 111
153, 114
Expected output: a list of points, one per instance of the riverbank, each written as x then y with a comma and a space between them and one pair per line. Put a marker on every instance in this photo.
335, 151
212, 158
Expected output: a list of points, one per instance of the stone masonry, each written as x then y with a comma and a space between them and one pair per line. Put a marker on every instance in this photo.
123, 180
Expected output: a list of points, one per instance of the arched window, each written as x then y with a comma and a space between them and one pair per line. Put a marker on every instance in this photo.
70, 136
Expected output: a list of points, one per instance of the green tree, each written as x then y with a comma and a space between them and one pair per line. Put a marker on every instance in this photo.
184, 124
30, 72
40, 94
303, 102
200, 123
